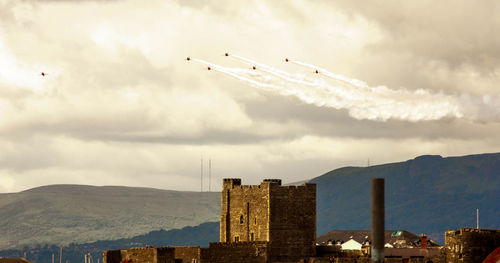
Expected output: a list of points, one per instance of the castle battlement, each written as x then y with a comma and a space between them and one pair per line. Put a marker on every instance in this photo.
269, 212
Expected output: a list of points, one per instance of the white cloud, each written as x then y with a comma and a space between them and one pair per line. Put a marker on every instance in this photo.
120, 105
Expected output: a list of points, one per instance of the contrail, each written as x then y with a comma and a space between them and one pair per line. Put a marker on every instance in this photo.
362, 101
354, 82
309, 96
296, 78
238, 74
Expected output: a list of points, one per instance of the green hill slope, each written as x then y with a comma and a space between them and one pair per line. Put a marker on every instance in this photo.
428, 194
188, 236
60, 214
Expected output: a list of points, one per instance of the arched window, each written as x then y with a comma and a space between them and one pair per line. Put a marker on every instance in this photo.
241, 219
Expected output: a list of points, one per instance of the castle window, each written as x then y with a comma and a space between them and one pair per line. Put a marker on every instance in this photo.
255, 221
241, 219
252, 237
236, 239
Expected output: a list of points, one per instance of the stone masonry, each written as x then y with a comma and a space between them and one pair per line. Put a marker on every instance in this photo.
470, 245
284, 216
140, 255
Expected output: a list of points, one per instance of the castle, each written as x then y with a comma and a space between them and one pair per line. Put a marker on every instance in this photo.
274, 223
258, 224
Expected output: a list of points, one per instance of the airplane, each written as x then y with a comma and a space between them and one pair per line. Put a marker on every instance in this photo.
209, 68
286, 59
188, 58
226, 54
254, 67
43, 74
316, 71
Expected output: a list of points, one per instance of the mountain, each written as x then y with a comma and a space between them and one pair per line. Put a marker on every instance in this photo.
428, 194
188, 236
60, 214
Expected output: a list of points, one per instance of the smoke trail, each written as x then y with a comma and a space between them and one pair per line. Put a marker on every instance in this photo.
364, 102
310, 96
296, 78
354, 82
240, 74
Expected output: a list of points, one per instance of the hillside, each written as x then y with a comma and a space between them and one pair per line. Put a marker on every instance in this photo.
188, 236
60, 214
427, 194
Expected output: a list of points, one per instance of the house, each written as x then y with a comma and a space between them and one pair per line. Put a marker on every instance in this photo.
351, 245
394, 238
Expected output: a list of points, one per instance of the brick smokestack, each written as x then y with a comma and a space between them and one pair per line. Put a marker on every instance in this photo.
378, 220
423, 241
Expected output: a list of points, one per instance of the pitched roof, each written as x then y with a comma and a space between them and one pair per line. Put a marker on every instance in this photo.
14, 260
393, 237
351, 244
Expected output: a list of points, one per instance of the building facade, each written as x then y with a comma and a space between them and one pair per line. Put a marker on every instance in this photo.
283, 216
470, 245
271, 223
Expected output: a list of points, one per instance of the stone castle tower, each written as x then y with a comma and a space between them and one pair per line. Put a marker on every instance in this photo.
284, 216
470, 245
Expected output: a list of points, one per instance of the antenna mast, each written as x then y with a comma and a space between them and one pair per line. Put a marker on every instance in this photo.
209, 173
201, 181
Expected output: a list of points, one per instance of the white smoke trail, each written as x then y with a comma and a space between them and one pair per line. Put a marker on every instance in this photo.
267, 82
240, 74
354, 82
296, 78
364, 102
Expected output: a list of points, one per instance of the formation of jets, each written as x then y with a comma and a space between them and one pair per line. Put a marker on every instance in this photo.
253, 67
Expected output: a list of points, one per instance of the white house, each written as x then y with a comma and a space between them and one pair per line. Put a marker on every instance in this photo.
351, 245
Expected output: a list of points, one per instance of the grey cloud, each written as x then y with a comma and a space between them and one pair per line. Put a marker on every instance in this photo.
455, 32
450, 36
328, 122
416, 41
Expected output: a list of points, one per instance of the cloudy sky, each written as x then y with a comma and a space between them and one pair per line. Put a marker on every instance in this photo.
120, 105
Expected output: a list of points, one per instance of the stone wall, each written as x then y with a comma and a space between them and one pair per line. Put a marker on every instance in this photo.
187, 254
140, 255
111, 256
470, 245
244, 212
366, 260
283, 215
292, 226
243, 252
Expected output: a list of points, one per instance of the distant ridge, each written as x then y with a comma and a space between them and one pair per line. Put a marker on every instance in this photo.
60, 214
429, 194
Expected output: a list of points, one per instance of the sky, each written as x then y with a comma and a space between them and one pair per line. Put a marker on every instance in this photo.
121, 105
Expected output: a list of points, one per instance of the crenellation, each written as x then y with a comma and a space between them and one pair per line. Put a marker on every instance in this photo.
271, 223
469, 245
272, 181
